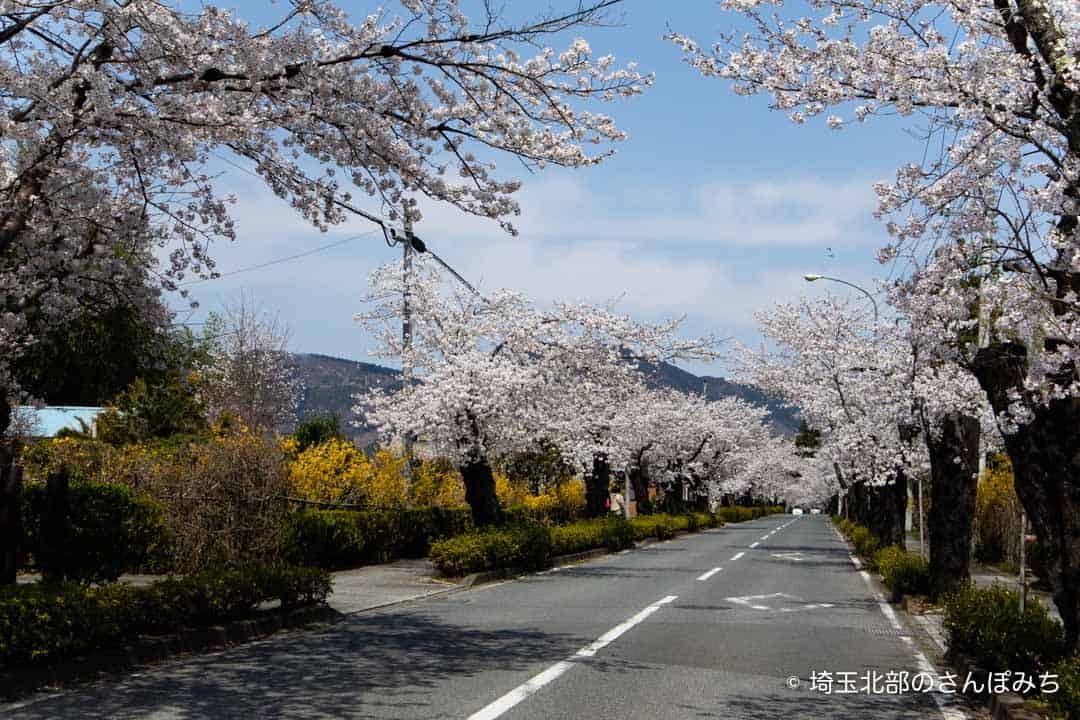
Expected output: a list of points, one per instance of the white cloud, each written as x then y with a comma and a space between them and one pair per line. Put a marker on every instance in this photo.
716, 252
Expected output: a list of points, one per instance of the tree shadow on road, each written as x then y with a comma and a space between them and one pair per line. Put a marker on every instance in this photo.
379, 665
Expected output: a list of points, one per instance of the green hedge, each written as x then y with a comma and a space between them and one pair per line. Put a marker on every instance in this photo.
865, 542
904, 572
346, 538
111, 530
986, 625
663, 526
523, 546
659, 526
520, 545
46, 621
740, 513
611, 533
1067, 699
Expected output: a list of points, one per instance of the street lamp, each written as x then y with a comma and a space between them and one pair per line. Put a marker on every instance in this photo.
811, 277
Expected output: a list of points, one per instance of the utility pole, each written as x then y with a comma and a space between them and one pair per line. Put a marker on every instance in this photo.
922, 524
1023, 561
406, 338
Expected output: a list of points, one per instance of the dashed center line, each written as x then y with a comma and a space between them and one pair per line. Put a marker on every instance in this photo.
706, 576
533, 684
753, 545
737, 556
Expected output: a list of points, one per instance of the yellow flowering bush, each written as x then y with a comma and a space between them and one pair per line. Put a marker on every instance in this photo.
556, 504
335, 471
437, 483
559, 503
84, 458
997, 514
385, 485
510, 492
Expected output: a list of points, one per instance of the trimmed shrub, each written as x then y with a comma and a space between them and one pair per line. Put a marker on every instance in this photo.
865, 542
986, 625
44, 622
110, 531
701, 520
655, 526
1067, 699
739, 513
349, 538
525, 546
903, 571
610, 533
331, 539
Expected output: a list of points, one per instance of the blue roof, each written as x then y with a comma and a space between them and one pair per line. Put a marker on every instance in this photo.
49, 420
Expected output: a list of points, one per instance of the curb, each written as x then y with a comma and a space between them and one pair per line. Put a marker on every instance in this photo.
489, 576
150, 649
1003, 706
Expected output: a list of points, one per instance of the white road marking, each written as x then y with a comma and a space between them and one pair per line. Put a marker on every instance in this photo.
944, 702
807, 607
748, 601
753, 545
533, 684
612, 634
792, 556
737, 556
765, 537
709, 574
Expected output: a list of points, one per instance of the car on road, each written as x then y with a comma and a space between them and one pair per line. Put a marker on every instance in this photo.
796, 511
815, 511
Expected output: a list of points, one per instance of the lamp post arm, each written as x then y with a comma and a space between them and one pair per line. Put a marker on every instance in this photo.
860, 289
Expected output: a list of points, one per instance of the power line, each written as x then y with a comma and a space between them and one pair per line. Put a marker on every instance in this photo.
282, 260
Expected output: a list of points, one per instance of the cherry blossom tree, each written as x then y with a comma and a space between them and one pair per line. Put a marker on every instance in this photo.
847, 375
887, 405
496, 374
115, 116
994, 86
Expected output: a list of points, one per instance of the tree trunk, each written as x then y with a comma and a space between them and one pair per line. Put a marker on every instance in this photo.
1045, 454
480, 492
56, 528
639, 480
886, 507
857, 504
597, 487
954, 478
673, 500
5, 413
10, 519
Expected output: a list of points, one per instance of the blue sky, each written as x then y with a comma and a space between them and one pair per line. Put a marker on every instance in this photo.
715, 207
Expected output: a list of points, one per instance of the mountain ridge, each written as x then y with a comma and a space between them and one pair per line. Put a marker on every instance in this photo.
330, 382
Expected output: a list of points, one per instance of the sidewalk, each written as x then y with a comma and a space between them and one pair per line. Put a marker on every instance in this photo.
372, 586
359, 589
986, 575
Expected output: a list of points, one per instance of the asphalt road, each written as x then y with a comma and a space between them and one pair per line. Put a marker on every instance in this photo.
658, 632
